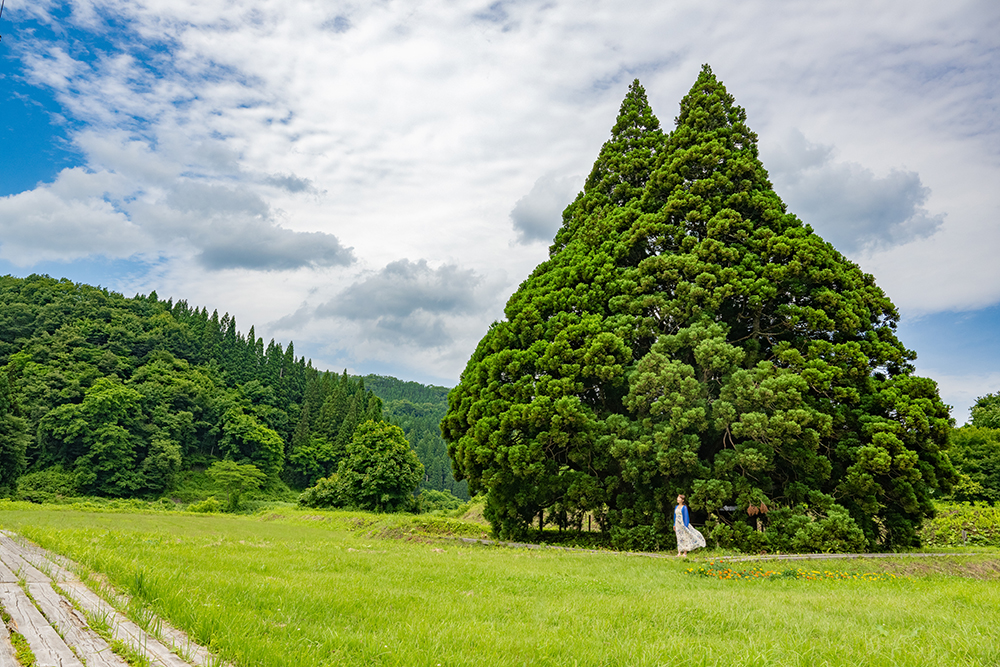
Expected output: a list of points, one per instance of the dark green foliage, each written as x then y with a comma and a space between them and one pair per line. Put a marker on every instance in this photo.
97, 435
14, 439
127, 393
333, 408
380, 472
975, 451
690, 335
622, 167
418, 410
390, 389
244, 438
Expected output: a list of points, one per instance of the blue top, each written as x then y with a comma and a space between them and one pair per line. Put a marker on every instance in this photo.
684, 513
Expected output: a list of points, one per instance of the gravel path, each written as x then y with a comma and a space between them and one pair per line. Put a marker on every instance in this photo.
55, 629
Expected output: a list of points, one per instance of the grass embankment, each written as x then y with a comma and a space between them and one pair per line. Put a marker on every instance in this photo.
290, 588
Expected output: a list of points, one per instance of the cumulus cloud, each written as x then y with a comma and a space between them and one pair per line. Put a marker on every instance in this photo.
267, 247
104, 214
538, 214
848, 204
68, 219
407, 302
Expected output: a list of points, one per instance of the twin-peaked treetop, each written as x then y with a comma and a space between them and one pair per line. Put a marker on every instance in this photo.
623, 166
690, 335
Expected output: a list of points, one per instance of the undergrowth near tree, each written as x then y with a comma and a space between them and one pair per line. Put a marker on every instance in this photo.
963, 524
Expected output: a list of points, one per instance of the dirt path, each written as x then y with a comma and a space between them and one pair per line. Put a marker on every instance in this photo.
698, 556
58, 633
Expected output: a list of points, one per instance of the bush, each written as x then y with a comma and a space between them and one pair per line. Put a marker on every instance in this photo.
837, 533
46, 486
431, 500
956, 525
326, 493
799, 530
640, 538
209, 505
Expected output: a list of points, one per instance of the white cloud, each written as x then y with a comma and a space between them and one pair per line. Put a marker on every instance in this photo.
67, 219
271, 142
848, 204
538, 214
407, 302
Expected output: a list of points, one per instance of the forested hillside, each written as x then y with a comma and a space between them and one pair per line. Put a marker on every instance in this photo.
106, 395
418, 410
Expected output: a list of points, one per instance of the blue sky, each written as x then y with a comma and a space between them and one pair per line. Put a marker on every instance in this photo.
373, 180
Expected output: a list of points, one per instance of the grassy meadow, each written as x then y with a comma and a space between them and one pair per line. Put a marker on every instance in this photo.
339, 588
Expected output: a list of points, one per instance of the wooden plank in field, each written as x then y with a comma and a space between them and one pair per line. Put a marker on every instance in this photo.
7, 576
6, 649
38, 558
9, 555
72, 625
124, 629
61, 570
49, 648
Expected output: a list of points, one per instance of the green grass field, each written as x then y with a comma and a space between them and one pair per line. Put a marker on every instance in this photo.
289, 588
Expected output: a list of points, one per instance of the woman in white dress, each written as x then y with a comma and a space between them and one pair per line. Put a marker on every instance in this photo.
688, 538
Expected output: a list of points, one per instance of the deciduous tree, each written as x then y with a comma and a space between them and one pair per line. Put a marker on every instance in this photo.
236, 479
381, 471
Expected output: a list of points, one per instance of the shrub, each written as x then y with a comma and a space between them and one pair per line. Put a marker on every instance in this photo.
803, 530
640, 538
431, 500
975, 524
325, 493
209, 505
46, 485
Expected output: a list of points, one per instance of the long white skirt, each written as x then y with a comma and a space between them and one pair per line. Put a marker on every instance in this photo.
688, 538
